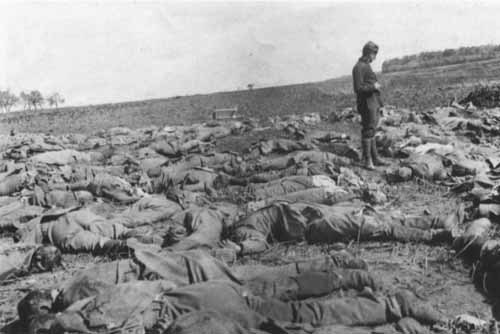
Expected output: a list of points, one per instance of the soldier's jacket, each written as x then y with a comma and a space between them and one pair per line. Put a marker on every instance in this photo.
202, 227
368, 98
148, 210
102, 184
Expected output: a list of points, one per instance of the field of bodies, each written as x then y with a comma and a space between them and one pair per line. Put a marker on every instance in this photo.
436, 273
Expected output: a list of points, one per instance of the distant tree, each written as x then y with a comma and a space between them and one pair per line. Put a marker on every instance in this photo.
55, 100
36, 99
250, 86
7, 100
449, 52
25, 98
32, 100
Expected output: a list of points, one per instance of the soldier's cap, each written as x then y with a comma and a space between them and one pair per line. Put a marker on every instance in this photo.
369, 48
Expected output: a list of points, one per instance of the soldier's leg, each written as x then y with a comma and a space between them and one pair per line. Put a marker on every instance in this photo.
368, 125
197, 322
285, 283
137, 215
83, 241
357, 311
88, 241
316, 284
336, 261
293, 287
387, 229
338, 311
263, 177
374, 151
443, 221
410, 234
322, 230
276, 163
119, 196
116, 231
264, 191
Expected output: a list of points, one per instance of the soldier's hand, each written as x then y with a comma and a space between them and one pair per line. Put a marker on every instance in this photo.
377, 85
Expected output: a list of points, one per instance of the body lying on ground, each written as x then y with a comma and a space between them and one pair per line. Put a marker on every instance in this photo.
193, 179
153, 306
290, 184
298, 280
102, 184
300, 156
318, 223
77, 230
328, 196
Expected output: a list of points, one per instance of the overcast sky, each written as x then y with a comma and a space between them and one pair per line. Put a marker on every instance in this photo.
94, 52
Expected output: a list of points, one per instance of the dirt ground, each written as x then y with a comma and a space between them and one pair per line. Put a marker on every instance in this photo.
434, 273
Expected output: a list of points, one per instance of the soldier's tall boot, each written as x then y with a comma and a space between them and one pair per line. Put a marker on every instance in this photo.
375, 158
366, 148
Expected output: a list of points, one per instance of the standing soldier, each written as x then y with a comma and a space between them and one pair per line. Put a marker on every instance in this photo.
369, 103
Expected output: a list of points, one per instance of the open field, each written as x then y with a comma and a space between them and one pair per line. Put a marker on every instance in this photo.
435, 273
417, 90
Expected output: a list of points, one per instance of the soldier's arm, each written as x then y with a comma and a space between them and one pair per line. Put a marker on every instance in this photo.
360, 86
380, 101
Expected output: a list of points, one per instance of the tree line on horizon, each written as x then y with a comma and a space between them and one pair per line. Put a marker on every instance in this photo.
33, 100
441, 58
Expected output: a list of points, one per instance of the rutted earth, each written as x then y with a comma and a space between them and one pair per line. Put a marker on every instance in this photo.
439, 160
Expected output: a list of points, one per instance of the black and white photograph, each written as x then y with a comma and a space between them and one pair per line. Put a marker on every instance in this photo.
249, 167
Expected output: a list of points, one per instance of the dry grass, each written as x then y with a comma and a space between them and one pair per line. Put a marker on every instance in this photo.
418, 90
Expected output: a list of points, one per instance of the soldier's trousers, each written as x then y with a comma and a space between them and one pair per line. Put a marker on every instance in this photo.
369, 122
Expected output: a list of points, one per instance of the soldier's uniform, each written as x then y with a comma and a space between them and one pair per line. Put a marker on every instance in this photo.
369, 103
